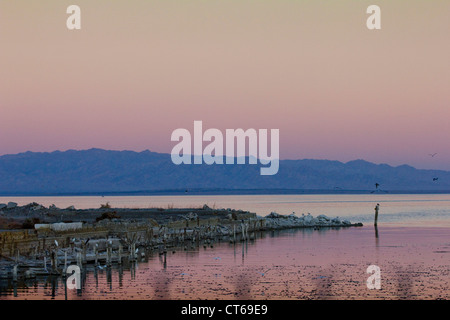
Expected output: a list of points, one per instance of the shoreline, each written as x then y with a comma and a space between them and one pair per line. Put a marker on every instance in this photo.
61, 237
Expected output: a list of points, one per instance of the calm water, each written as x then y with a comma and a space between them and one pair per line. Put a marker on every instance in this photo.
412, 249
399, 210
290, 264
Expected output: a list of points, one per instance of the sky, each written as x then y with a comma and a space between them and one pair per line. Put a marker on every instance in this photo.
139, 69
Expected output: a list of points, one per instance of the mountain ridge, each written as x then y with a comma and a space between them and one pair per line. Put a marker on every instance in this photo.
102, 171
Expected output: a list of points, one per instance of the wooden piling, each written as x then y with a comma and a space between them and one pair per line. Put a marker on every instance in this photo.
55, 259
65, 263
108, 255
377, 208
96, 253
119, 258
15, 273
84, 252
133, 252
79, 263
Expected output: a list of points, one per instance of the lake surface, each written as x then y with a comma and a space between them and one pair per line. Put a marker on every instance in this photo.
395, 209
411, 247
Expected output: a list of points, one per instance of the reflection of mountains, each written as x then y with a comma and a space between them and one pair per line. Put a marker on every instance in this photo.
101, 171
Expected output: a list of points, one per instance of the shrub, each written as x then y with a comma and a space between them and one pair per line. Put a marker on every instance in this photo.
29, 223
105, 206
107, 215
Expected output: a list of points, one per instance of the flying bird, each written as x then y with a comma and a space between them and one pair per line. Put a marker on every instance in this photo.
432, 154
435, 179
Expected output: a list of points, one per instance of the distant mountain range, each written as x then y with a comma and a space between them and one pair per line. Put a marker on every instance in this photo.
100, 171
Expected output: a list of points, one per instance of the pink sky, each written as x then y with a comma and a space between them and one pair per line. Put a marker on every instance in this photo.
140, 69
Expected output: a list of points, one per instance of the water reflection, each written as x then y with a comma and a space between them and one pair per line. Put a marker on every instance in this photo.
328, 263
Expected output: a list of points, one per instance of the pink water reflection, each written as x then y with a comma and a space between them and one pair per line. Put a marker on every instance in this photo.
301, 264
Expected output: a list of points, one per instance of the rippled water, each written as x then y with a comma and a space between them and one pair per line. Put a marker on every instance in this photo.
412, 248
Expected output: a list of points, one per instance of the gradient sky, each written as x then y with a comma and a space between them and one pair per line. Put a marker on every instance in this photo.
139, 69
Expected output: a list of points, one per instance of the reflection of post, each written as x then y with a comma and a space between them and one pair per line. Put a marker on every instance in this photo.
120, 276
65, 283
109, 277
377, 208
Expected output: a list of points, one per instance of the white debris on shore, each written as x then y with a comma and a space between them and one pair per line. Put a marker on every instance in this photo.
275, 220
59, 226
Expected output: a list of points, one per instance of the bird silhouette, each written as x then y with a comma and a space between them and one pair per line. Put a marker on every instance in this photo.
432, 154
377, 185
435, 179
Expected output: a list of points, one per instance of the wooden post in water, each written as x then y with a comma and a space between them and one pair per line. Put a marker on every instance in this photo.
65, 262
15, 273
119, 258
96, 253
79, 263
377, 208
132, 251
84, 252
53, 260
108, 254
